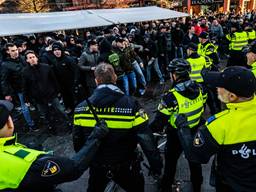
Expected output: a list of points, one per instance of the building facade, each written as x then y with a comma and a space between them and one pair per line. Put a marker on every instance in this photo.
221, 5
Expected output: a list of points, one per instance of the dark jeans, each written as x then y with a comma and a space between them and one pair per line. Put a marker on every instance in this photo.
129, 177
68, 97
172, 154
179, 52
44, 110
128, 82
163, 63
25, 110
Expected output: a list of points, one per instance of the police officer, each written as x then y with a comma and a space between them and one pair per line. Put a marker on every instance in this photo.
229, 134
250, 32
251, 58
24, 169
206, 48
197, 62
237, 40
185, 97
128, 125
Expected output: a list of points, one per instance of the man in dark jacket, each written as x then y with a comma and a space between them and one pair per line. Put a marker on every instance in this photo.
128, 125
73, 47
87, 64
151, 58
108, 55
45, 54
190, 37
127, 56
65, 70
12, 81
177, 37
162, 49
40, 85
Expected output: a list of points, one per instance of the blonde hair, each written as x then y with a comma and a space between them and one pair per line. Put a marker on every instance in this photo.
105, 73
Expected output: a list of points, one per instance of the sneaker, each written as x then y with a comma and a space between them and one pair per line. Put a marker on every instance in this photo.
51, 130
18, 109
142, 91
32, 108
34, 128
161, 82
68, 111
49, 127
70, 124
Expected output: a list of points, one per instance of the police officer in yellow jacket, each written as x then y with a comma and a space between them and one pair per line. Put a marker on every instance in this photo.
250, 32
186, 96
26, 170
206, 48
229, 134
197, 62
116, 158
251, 58
237, 40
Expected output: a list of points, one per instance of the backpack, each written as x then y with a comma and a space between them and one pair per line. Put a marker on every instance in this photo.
114, 59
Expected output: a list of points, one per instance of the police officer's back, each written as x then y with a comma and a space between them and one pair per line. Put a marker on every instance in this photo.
197, 62
237, 40
251, 33
230, 134
186, 96
24, 169
127, 121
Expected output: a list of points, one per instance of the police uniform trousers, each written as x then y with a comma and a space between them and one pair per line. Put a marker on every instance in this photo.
172, 153
127, 175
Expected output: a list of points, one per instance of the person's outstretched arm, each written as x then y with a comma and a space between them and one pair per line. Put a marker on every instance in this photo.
49, 170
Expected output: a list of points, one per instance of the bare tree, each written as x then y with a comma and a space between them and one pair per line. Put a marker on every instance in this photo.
163, 3
116, 3
8, 7
33, 6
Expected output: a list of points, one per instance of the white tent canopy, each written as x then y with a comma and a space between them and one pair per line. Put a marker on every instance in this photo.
131, 15
23, 23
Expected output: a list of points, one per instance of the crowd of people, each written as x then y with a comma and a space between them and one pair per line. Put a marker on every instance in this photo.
109, 65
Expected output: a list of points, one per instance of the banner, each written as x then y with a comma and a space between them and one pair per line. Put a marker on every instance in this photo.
205, 2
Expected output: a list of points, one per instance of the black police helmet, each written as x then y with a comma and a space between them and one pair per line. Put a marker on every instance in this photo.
180, 67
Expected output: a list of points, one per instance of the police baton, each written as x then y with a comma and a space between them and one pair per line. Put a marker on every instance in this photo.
92, 110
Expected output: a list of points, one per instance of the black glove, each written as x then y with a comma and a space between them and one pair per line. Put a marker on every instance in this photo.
157, 178
204, 71
77, 87
155, 173
100, 130
181, 121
